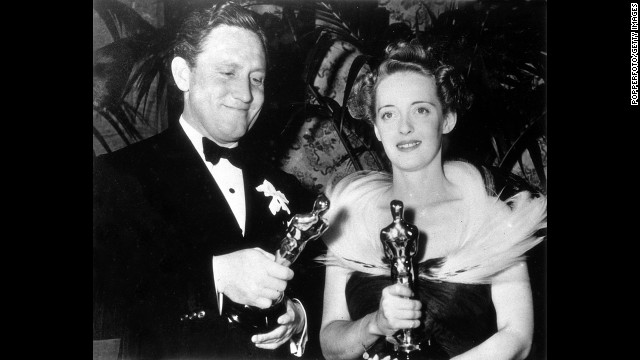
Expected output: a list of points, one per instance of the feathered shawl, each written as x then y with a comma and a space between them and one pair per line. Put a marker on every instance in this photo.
496, 233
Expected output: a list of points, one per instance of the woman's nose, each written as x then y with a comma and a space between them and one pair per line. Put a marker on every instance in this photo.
405, 125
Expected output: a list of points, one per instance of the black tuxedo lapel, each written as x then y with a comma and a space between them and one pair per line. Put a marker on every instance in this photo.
256, 204
193, 189
252, 202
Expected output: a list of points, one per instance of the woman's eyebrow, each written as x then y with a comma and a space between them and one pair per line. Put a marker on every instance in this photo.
384, 106
423, 102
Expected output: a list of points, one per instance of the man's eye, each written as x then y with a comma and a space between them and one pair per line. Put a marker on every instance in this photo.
257, 81
227, 73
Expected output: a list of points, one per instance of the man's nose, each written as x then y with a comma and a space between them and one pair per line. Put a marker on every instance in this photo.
242, 90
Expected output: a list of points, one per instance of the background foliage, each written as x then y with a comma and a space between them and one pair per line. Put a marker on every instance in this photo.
316, 49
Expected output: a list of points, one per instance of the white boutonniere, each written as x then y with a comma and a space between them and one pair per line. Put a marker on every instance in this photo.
278, 202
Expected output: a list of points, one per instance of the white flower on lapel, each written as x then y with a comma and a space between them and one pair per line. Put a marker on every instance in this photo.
278, 202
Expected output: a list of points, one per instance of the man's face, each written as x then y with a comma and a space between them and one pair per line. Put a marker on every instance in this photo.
226, 86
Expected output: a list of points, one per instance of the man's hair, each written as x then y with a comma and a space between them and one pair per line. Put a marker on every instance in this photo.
198, 24
412, 57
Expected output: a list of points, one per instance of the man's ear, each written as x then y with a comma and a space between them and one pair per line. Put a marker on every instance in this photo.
449, 122
375, 129
181, 73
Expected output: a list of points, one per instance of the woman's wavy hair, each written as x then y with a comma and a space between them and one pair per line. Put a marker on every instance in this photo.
410, 56
198, 24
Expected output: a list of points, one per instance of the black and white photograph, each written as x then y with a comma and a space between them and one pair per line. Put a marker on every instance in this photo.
310, 179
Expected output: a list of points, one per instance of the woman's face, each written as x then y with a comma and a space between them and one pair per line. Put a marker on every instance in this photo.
409, 120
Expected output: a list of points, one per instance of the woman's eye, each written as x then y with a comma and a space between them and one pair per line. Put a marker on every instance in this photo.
227, 73
423, 110
386, 116
257, 81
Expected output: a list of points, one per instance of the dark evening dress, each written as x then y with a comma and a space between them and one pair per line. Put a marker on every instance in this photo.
457, 317
455, 290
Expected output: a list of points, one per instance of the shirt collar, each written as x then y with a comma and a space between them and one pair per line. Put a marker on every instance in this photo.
194, 136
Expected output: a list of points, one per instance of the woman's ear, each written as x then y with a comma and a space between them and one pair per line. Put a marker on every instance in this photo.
375, 129
449, 122
181, 73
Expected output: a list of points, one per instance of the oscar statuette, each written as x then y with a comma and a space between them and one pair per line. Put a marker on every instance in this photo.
301, 229
400, 241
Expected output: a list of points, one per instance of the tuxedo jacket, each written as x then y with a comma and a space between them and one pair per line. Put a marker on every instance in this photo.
159, 217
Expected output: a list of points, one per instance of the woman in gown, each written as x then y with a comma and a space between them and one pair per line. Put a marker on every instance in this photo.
473, 296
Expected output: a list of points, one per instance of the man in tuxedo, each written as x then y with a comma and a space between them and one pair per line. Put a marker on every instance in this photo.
185, 221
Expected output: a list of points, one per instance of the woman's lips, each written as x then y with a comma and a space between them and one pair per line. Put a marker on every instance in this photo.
408, 145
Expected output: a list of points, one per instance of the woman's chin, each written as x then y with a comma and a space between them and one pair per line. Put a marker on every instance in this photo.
409, 165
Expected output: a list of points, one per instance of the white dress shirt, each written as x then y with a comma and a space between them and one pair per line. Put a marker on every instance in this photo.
231, 183
228, 177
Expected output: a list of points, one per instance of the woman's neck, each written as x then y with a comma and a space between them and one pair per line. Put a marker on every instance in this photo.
425, 186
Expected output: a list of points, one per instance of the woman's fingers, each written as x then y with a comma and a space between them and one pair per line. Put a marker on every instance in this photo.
398, 310
400, 290
407, 314
397, 303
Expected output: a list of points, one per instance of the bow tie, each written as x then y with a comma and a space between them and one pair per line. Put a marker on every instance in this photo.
213, 152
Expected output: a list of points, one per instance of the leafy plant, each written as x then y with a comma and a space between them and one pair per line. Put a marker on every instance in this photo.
112, 66
502, 47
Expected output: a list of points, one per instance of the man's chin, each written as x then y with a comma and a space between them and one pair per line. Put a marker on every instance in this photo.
234, 137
